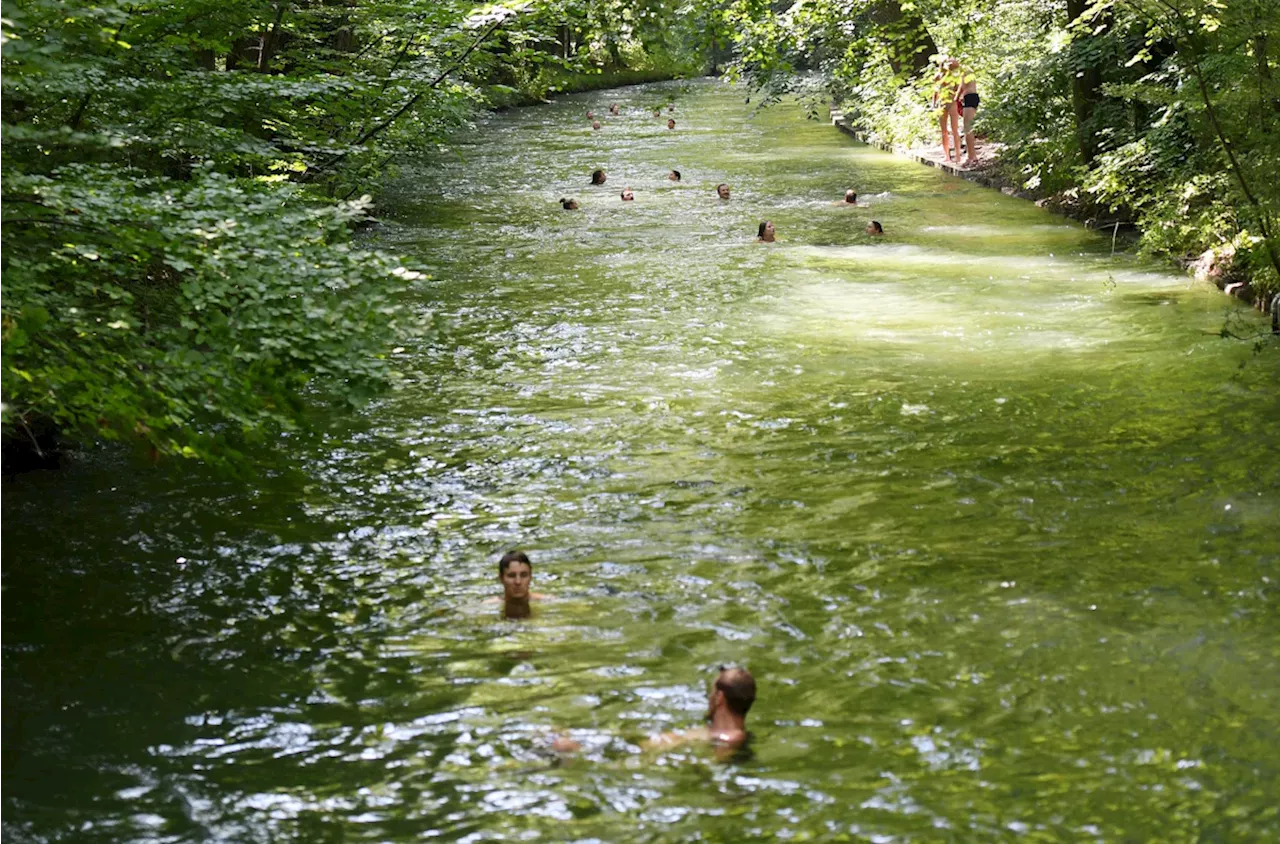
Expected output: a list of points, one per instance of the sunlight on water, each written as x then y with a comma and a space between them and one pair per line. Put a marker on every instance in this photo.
990, 514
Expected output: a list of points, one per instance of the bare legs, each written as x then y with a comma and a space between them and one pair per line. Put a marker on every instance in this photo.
948, 116
970, 145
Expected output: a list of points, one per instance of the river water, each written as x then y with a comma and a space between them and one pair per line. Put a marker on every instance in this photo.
993, 517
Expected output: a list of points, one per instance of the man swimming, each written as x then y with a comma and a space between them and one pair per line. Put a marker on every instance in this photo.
569, 204
765, 235
874, 228
732, 694
627, 195
722, 190
671, 124
598, 177
515, 573
673, 176
731, 697
595, 124
850, 198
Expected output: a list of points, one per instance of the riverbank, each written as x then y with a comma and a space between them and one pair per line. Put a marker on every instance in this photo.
1213, 266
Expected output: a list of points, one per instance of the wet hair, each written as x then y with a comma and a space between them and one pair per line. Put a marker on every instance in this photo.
671, 122
565, 203
875, 224
677, 172
721, 185
597, 177
513, 557
763, 224
850, 196
626, 191
739, 689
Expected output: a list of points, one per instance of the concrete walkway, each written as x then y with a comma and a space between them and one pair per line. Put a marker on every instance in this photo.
932, 155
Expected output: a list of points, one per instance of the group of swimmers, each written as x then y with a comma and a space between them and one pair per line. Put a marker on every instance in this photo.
730, 698
764, 234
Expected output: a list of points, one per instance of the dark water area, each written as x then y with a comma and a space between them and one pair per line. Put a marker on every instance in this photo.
992, 515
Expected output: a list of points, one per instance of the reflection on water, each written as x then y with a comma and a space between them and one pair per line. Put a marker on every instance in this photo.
990, 516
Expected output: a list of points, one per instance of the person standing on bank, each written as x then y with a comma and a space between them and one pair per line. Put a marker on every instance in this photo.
944, 100
967, 99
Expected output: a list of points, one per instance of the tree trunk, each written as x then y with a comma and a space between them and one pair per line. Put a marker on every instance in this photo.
908, 42
1086, 86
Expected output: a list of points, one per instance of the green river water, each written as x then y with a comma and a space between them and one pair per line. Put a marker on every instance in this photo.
993, 517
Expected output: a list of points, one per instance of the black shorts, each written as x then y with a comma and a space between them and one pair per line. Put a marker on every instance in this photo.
970, 101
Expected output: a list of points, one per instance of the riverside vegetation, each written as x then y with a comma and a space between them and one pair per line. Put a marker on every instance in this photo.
181, 180
1158, 112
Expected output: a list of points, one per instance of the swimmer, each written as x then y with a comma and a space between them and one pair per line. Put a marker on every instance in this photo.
627, 195
569, 204
591, 115
673, 176
765, 235
614, 109
598, 177
732, 694
671, 124
722, 190
850, 198
657, 112
515, 573
595, 124
874, 228
671, 107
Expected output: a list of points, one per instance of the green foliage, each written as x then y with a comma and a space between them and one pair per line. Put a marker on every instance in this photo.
179, 263
1165, 110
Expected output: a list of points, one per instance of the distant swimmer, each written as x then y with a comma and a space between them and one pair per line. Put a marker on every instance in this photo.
722, 190
595, 124
569, 204
590, 114
671, 106
614, 109
671, 124
627, 195
515, 573
598, 177
765, 235
850, 198
874, 228
657, 112
673, 176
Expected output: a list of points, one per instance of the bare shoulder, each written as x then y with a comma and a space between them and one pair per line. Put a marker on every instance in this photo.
676, 738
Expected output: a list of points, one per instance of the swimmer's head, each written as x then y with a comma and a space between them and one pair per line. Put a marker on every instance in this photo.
851, 197
735, 690
595, 124
722, 190
671, 106
515, 573
874, 228
614, 109
590, 114
627, 195
569, 204
766, 231
657, 112
673, 176
671, 124
598, 177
